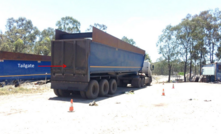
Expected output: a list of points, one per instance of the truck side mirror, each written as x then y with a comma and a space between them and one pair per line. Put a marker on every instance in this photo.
152, 67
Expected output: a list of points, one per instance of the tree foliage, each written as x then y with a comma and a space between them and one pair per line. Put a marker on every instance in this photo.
20, 35
197, 39
69, 24
130, 41
167, 47
97, 25
147, 57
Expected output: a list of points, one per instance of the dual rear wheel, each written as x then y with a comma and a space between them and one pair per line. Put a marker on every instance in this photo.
103, 88
138, 82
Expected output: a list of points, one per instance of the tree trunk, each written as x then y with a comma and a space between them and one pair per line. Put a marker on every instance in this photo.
200, 62
185, 67
190, 69
212, 51
169, 72
195, 67
185, 72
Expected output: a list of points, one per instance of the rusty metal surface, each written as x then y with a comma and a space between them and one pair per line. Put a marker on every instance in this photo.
22, 56
107, 39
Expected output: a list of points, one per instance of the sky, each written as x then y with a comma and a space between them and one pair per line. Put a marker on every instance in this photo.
141, 20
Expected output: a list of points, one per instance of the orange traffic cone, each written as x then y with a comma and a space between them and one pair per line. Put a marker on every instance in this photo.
163, 94
71, 109
173, 86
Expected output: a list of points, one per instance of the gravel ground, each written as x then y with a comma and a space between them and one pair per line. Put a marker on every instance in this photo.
144, 111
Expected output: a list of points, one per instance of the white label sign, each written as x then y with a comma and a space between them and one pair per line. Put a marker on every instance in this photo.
23, 65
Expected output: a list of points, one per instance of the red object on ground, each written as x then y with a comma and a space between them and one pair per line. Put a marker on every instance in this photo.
71, 109
163, 94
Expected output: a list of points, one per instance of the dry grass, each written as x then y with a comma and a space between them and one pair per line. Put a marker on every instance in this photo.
23, 89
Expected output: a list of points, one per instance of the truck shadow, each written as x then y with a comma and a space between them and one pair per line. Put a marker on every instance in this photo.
78, 99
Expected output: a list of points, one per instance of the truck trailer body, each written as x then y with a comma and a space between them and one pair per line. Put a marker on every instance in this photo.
95, 67
19, 66
212, 72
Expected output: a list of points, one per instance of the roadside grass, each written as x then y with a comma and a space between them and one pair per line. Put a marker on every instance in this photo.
7, 90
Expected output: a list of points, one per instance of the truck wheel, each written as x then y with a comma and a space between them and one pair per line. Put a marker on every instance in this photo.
64, 93
104, 87
112, 86
56, 92
83, 94
136, 82
139, 83
93, 90
142, 82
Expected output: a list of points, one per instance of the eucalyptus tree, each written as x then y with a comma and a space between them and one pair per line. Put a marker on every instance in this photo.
21, 35
97, 25
167, 47
199, 49
69, 24
183, 34
3, 44
218, 53
159, 67
212, 21
130, 41
147, 57
43, 46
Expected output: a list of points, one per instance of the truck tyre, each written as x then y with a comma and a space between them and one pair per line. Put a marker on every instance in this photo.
93, 90
139, 83
83, 94
103, 87
142, 82
56, 92
64, 93
112, 86
150, 81
136, 82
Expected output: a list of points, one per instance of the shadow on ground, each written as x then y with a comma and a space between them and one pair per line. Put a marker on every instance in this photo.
77, 97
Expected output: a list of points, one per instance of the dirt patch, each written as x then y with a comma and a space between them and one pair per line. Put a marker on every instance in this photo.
159, 105
146, 111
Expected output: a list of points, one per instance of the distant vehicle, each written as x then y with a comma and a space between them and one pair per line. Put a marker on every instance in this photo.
96, 67
212, 72
18, 66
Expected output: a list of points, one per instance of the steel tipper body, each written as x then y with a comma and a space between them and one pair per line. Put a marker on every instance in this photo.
19, 66
95, 66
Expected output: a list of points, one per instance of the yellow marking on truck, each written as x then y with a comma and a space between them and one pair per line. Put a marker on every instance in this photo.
112, 67
23, 75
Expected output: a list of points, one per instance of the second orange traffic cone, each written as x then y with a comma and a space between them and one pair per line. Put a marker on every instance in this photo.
71, 109
173, 86
163, 94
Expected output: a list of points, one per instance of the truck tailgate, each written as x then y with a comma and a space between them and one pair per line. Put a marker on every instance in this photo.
74, 54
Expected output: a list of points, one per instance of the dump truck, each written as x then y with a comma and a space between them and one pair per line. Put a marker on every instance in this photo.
96, 64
